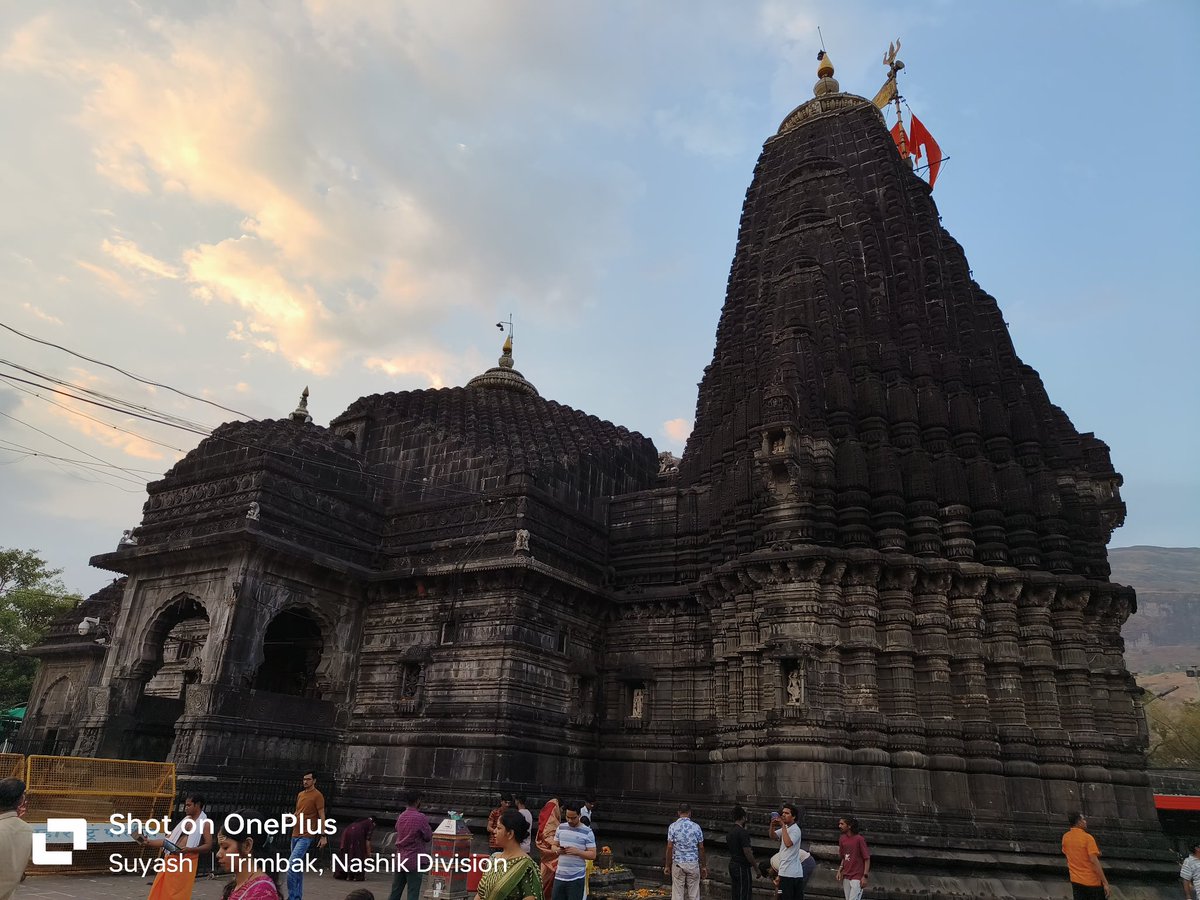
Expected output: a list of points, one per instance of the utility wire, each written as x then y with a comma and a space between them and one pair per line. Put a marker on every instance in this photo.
67, 444
124, 372
385, 480
125, 411
101, 395
91, 468
132, 477
84, 415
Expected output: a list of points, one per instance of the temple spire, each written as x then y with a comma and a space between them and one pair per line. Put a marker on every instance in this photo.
503, 375
300, 413
826, 83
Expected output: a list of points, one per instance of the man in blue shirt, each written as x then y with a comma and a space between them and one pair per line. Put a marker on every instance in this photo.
686, 861
575, 844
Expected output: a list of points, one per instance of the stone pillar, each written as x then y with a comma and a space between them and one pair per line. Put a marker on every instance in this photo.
871, 786
1055, 760
969, 677
898, 694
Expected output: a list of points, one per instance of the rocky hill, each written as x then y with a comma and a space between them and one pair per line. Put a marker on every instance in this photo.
1163, 636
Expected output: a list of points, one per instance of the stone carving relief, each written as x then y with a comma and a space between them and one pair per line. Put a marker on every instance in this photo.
795, 685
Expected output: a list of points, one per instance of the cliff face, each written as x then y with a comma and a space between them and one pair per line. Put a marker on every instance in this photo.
1164, 634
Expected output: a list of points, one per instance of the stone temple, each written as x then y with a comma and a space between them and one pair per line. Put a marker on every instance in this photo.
876, 582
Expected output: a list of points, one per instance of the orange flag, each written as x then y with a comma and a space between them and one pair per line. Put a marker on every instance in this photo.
921, 138
899, 137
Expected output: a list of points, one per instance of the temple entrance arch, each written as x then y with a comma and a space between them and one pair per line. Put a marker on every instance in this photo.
292, 651
170, 659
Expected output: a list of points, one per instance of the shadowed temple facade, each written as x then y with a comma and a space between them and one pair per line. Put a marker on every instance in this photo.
876, 582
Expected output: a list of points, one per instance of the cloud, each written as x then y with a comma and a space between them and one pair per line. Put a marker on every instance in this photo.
44, 316
126, 252
677, 430
109, 279
285, 316
717, 127
432, 366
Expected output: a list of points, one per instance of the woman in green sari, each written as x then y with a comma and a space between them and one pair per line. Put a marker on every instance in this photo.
517, 877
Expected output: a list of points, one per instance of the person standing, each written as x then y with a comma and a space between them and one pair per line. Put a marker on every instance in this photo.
16, 836
413, 837
585, 816
548, 821
791, 873
741, 857
241, 851
1189, 873
575, 845
519, 802
686, 861
310, 825
1088, 881
518, 878
193, 834
354, 845
854, 859
494, 819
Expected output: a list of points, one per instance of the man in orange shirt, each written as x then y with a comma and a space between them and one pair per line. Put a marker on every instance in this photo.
310, 824
1083, 861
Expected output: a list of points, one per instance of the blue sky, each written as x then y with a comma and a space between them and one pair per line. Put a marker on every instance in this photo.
240, 199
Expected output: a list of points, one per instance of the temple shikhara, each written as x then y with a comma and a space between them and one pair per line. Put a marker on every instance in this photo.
876, 581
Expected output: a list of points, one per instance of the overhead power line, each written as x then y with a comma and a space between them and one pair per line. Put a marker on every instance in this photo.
68, 444
126, 373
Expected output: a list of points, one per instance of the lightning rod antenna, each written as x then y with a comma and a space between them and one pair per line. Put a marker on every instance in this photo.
821, 37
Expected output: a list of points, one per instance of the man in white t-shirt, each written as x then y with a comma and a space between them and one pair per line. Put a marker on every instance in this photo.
1189, 873
791, 873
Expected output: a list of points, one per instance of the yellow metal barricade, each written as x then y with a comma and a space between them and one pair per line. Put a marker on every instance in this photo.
12, 765
97, 790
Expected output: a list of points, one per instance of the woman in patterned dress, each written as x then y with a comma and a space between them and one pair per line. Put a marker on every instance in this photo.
241, 844
517, 877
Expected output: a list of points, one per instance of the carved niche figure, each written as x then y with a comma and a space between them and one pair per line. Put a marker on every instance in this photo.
128, 539
638, 708
795, 686
521, 543
252, 512
410, 681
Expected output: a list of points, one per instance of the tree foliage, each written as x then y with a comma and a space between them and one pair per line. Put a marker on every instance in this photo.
1174, 735
31, 598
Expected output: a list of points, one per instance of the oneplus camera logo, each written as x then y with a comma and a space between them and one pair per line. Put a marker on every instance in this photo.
77, 828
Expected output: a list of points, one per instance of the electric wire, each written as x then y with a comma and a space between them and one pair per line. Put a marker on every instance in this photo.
132, 477
68, 444
84, 415
126, 373
103, 396
141, 413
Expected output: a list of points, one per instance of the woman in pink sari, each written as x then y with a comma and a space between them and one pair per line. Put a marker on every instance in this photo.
241, 843
548, 822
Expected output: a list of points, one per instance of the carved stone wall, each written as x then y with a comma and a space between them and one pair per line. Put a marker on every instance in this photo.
875, 583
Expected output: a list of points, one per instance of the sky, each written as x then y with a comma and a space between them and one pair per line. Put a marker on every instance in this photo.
238, 200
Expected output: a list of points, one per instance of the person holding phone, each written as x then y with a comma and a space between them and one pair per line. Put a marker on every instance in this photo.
791, 872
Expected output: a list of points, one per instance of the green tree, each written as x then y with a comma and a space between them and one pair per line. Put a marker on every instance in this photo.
31, 598
1174, 735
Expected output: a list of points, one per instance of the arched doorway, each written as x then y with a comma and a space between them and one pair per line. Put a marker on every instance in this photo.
292, 649
171, 654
